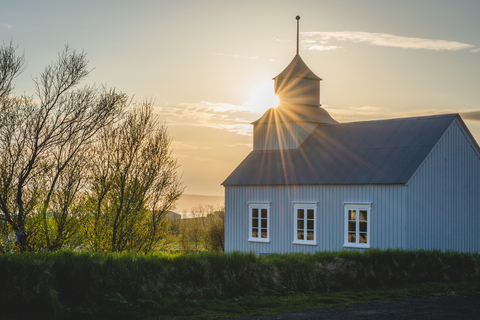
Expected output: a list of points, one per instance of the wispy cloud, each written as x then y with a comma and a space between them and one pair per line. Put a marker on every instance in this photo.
211, 114
475, 50
318, 41
9, 26
375, 113
472, 115
321, 48
358, 113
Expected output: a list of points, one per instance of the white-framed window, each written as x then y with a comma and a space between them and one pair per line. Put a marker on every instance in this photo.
357, 225
259, 221
304, 217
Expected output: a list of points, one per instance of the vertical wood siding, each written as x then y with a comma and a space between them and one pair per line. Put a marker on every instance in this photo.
298, 90
444, 197
387, 216
290, 135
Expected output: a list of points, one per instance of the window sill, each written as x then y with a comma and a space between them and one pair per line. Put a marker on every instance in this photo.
355, 245
259, 240
312, 243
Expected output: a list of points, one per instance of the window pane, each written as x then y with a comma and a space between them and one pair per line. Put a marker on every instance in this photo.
264, 213
254, 233
351, 237
363, 215
299, 224
300, 213
255, 223
264, 233
363, 226
264, 223
352, 215
363, 237
310, 214
300, 235
310, 224
352, 226
254, 213
309, 235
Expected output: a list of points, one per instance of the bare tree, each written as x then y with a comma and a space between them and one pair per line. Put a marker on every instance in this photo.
134, 184
11, 65
40, 137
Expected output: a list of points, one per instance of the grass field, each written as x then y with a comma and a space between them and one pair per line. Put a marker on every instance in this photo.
86, 285
115, 307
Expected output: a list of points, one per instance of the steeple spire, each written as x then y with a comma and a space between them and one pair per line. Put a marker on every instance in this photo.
298, 34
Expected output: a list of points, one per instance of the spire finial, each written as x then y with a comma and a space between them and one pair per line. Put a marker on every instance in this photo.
298, 18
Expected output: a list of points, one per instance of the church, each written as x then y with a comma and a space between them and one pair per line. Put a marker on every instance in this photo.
314, 184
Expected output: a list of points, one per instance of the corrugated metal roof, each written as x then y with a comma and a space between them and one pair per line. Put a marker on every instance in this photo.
370, 152
297, 68
286, 112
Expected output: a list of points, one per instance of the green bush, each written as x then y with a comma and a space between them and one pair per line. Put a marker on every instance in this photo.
52, 281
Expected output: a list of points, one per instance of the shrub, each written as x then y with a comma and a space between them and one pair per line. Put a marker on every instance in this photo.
73, 279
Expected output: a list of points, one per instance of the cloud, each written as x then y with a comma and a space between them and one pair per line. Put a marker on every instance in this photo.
473, 115
9, 26
475, 50
217, 115
358, 113
317, 40
320, 48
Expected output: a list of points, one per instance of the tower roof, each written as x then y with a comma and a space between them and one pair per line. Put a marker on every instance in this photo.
287, 113
297, 69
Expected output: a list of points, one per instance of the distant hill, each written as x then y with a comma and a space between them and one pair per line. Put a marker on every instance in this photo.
188, 201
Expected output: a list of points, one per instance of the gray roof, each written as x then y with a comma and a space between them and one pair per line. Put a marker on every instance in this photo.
286, 112
297, 68
370, 152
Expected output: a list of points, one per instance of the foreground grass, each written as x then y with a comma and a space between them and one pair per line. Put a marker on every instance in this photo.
115, 307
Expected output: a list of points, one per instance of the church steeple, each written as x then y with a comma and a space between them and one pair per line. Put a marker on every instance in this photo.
298, 114
297, 84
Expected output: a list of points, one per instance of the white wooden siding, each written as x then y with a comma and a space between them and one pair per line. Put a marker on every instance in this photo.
290, 135
387, 216
298, 91
444, 196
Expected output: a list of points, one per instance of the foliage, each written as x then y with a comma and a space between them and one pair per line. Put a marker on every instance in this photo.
43, 140
202, 228
66, 279
215, 230
133, 185
80, 164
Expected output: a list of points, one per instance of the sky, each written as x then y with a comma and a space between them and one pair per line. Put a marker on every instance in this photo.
208, 65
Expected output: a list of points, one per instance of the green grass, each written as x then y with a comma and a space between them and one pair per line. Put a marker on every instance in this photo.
116, 307
53, 283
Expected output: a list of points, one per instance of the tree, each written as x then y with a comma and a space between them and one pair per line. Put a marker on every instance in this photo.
134, 184
203, 228
11, 65
215, 230
41, 139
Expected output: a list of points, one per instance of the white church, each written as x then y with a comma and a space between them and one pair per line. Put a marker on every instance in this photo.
313, 184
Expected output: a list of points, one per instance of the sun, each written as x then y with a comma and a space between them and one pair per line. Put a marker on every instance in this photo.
262, 97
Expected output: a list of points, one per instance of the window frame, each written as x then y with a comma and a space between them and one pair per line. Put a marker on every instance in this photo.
305, 206
258, 205
365, 206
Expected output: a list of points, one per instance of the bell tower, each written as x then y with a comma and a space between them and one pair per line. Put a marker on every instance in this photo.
299, 112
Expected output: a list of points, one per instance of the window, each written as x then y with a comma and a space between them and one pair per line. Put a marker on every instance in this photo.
259, 221
304, 223
357, 225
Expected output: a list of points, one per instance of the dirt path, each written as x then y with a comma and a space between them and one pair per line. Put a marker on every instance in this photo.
445, 307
